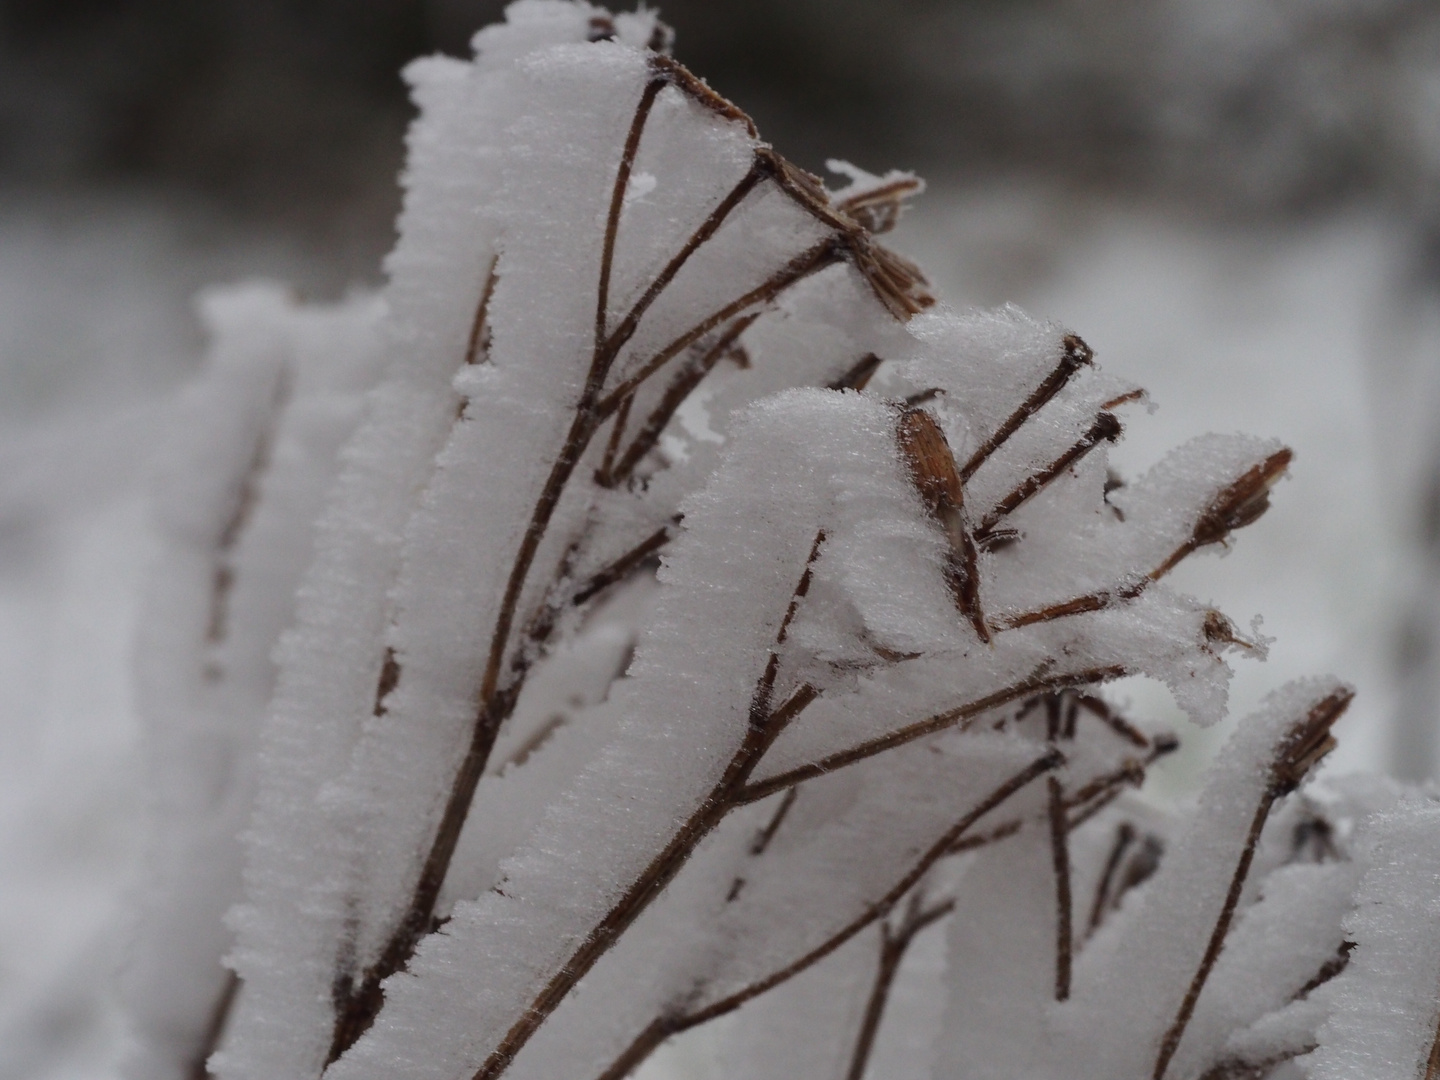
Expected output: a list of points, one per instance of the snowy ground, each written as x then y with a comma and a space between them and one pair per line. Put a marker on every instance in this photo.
1267, 330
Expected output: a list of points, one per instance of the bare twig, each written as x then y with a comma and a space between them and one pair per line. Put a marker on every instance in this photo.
1074, 355
894, 943
764, 726
680, 388
477, 348
215, 1029
1060, 856
673, 1025
1304, 744
859, 374
618, 570
1105, 429
1124, 837
759, 789
823, 253
765, 835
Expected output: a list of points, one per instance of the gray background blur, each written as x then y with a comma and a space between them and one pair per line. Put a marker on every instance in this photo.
1236, 203
291, 110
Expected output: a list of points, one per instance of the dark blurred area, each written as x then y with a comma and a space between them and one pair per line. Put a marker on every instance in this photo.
292, 110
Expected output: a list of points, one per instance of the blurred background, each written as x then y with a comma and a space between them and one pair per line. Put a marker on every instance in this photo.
1236, 204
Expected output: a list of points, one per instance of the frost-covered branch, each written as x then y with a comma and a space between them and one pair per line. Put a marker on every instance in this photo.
690, 619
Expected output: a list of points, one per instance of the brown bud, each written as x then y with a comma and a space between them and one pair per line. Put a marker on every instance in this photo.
1308, 741
932, 465
1242, 502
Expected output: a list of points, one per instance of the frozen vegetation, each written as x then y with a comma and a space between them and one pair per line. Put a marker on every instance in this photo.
657, 620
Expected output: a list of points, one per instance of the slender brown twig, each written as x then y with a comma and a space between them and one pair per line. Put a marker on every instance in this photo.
764, 726
1239, 504
477, 348
618, 570
660, 1030
215, 1029
1060, 857
1304, 744
1074, 354
1105, 429
1124, 837
759, 789
680, 388
894, 943
858, 375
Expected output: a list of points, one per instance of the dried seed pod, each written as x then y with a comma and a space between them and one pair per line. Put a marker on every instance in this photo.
1308, 741
1242, 502
878, 209
937, 480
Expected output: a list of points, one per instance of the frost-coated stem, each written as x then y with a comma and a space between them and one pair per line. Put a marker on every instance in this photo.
918, 730
1303, 745
765, 724
1076, 355
356, 1008
661, 1029
1124, 837
1171, 1041
1060, 856
893, 946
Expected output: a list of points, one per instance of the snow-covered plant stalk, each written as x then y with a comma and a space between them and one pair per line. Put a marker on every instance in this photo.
697, 606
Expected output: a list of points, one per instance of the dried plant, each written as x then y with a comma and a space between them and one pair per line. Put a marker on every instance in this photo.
697, 610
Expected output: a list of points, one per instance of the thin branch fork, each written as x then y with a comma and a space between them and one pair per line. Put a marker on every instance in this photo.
894, 943
1239, 504
357, 1007
765, 725
1106, 428
661, 1029
1075, 354
958, 716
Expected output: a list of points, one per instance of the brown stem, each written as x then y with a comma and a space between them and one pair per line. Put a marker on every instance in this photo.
1075, 354
1171, 1041
764, 726
675, 394
1079, 605
824, 253
1101, 709
859, 374
893, 946
645, 1044
617, 203
1060, 856
604, 476
1105, 429
994, 836
1124, 837
1328, 970
478, 346
759, 789
708, 228
878, 910
214, 1029
616, 571
765, 835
